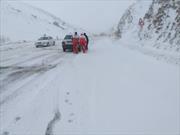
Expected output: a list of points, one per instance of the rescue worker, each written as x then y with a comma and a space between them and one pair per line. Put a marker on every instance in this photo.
75, 41
141, 23
87, 39
83, 42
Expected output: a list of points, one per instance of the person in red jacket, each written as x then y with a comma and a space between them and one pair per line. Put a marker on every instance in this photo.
83, 42
75, 42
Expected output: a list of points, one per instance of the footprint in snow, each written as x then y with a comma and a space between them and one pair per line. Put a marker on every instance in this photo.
71, 114
66, 100
70, 121
17, 119
67, 93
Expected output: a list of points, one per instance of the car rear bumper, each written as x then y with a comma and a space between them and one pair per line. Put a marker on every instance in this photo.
69, 46
41, 45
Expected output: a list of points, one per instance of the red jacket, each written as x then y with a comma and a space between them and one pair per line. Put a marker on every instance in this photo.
82, 40
75, 40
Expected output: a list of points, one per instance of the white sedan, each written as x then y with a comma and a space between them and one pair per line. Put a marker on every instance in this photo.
45, 41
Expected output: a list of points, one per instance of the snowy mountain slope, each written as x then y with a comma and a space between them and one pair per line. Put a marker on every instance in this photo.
20, 21
161, 25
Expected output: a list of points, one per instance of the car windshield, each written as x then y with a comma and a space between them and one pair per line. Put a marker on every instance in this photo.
43, 38
68, 37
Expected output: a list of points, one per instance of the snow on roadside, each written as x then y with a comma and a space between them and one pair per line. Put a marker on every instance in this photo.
145, 48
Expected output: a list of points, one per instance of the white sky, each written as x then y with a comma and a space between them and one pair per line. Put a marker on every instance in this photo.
94, 16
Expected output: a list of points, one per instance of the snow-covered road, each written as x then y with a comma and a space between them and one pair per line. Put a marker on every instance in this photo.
109, 90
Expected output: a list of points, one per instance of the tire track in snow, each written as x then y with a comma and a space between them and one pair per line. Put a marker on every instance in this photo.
23, 60
21, 89
51, 124
38, 71
26, 57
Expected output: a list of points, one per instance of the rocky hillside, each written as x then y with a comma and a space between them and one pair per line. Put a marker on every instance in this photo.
161, 28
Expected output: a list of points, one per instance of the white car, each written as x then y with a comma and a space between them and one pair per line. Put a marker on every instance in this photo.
45, 41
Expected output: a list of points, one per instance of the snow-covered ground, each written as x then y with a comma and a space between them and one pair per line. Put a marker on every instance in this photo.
110, 90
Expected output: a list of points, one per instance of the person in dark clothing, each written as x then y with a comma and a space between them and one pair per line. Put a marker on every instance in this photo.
87, 39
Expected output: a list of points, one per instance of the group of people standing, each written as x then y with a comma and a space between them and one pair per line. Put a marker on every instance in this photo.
80, 42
